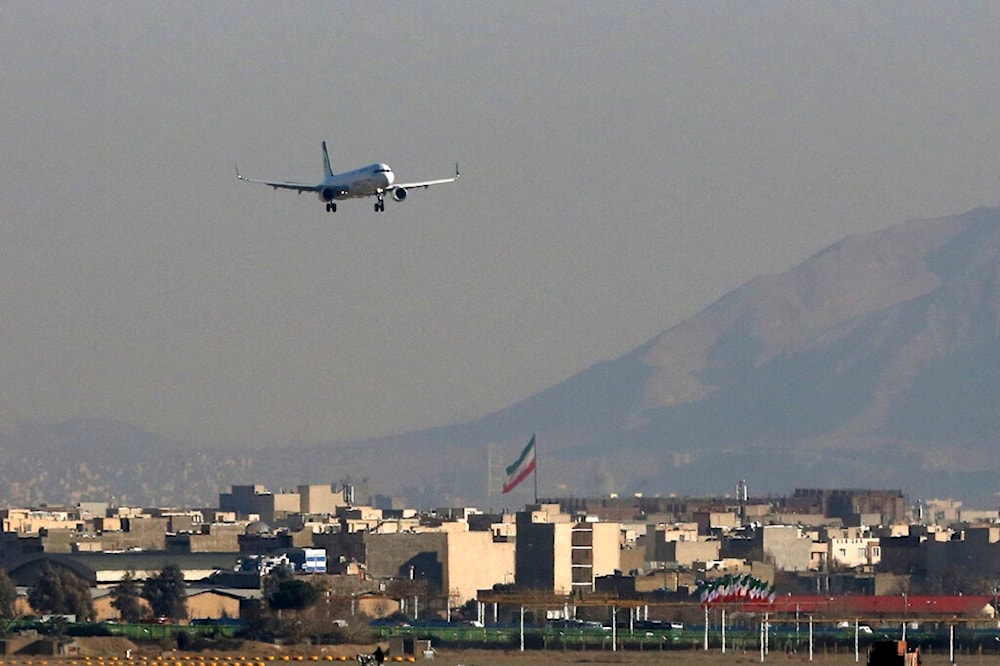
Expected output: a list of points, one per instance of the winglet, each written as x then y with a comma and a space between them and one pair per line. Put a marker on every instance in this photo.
238, 171
457, 174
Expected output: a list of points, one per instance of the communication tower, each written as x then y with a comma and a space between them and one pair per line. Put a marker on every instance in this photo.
494, 473
741, 496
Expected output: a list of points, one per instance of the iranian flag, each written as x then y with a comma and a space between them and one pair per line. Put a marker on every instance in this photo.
522, 468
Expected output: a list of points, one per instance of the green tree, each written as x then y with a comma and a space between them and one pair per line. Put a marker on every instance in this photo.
257, 623
292, 595
8, 595
59, 591
165, 593
125, 598
276, 577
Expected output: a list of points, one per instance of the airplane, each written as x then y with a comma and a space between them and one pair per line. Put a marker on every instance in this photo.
373, 180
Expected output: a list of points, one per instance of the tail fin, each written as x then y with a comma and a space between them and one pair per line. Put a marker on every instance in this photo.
327, 171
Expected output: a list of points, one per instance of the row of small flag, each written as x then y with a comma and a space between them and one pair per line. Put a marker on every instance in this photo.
735, 588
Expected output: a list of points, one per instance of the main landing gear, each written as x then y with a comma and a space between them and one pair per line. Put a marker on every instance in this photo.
331, 208
380, 204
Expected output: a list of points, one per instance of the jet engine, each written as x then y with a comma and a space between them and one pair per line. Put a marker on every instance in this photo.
327, 194
399, 193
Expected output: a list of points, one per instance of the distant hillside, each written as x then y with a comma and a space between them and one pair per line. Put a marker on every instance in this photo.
98, 460
874, 363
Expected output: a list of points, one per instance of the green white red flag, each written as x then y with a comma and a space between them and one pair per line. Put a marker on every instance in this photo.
522, 467
735, 588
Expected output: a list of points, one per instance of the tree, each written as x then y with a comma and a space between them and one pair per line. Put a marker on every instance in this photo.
257, 623
125, 598
276, 577
292, 595
165, 593
8, 595
58, 591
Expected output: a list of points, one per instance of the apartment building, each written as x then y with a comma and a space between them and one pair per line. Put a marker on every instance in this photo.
560, 553
680, 544
257, 502
34, 521
452, 562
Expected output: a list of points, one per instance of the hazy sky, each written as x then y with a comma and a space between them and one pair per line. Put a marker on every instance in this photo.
623, 165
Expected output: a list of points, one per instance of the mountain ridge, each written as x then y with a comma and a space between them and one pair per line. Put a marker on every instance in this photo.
874, 362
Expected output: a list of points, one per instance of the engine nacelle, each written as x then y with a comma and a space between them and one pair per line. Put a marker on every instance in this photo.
327, 194
399, 193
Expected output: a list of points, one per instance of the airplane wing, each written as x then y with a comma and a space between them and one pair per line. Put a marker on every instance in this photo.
428, 183
298, 187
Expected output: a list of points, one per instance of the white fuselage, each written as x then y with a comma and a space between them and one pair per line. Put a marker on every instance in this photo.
375, 180
363, 182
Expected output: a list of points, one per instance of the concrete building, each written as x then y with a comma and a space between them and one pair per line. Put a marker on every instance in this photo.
710, 522
320, 500
210, 538
687, 553
202, 603
973, 516
854, 552
941, 511
558, 553
680, 544
930, 553
787, 546
453, 563
889, 505
33, 521
249, 502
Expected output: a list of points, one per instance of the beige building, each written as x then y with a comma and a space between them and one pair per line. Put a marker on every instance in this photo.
941, 511
679, 543
787, 545
256, 501
854, 551
558, 553
456, 563
708, 521
320, 499
212, 604
202, 604
32, 521
104, 611
686, 553
973, 516
360, 519
475, 561
211, 538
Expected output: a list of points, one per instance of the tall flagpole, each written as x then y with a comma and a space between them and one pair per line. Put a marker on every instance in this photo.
536, 470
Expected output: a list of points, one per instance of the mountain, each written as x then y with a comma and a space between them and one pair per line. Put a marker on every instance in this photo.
874, 363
